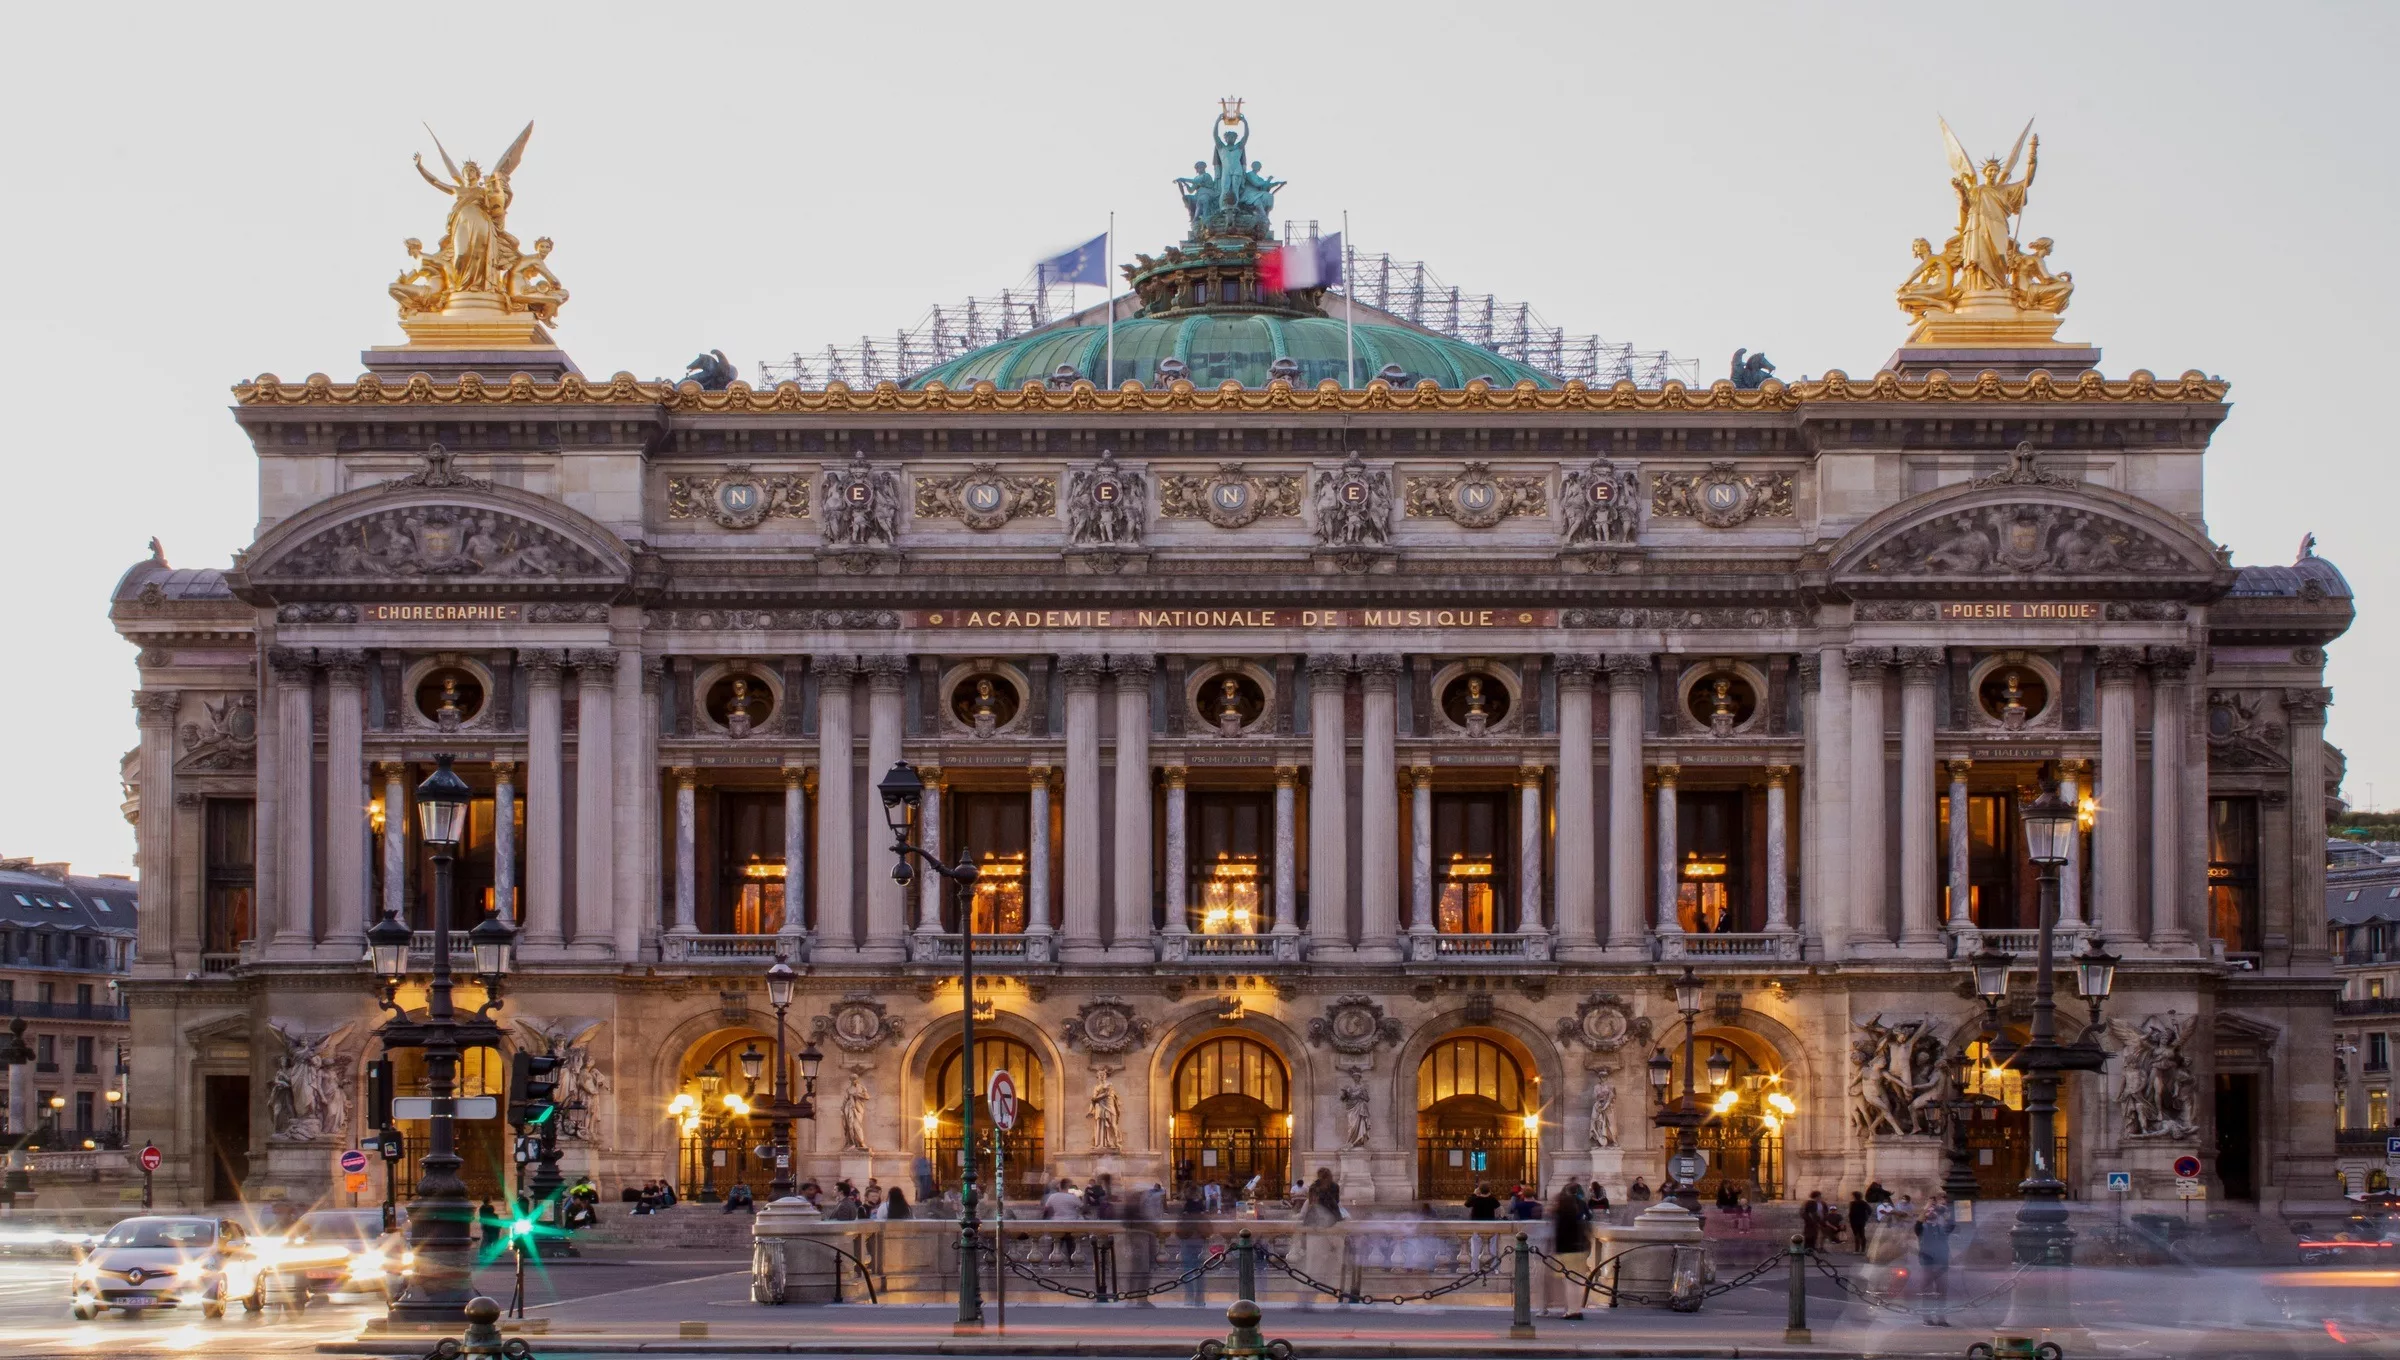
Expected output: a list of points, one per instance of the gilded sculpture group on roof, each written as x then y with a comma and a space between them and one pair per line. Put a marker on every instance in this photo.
1982, 286
478, 282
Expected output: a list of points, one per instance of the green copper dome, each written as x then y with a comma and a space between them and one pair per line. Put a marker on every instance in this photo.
1241, 346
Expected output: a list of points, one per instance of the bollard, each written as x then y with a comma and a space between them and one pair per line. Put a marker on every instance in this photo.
1520, 1318
482, 1336
1795, 1321
1245, 1268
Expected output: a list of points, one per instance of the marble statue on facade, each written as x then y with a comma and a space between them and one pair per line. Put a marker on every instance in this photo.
580, 1082
1895, 1078
1358, 1125
1601, 504
854, 1111
1604, 1101
1107, 1114
2160, 1092
309, 1096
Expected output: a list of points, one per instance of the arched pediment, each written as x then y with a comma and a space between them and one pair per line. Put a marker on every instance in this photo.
2001, 530
411, 533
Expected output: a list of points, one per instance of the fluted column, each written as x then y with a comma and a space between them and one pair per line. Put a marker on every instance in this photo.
887, 901
295, 790
2072, 775
929, 835
154, 835
2169, 923
595, 800
346, 828
1328, 804
1627, 933
1529, 848
1379, 810
1920, 815
1287, 850
837, 814
1825, 857
2116, 883
795, 857
1080, 930
2304, 712
1130, 939
1961, 883
687, 850
1037, 852
1779, 870
1669, 866
1420, 849
545, 803
1178, 871
504, 839
1870, 928
393, 776
1574, 874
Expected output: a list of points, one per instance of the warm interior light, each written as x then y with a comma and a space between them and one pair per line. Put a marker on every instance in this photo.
1726, 1101
115, 1096
1229, 896
1770, 1123
932, 1122
771, 872
1704, 869
2087, 811
1533, 1122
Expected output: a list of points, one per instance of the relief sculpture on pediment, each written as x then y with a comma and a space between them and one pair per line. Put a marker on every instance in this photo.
435, 541
2021, 540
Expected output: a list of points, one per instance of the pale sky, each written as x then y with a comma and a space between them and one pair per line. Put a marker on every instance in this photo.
202, 193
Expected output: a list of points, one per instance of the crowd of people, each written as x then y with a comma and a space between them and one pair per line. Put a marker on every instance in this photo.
1887, 1230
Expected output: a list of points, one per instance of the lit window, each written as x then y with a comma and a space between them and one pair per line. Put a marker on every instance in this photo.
2379, 1107
1229, 896
2374, 988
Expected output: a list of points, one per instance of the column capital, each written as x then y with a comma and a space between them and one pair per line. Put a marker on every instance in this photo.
1778, 776
598, 665
654, 673
345, 666
1327, 668
1627, 670
2074, 768
504, 771
1175, 776
1079, 671
931, 773
1666, 775
1287, 776
156, 707
291, 665
1811, 672
1867, 663
1959, 768
686, 777
1918, 665
1576, 670
2117, 665
1039, 772
884, 672
1135, 666
2307, 704
795, 776
1420, 776
542, 665
1381, 669
2171, 665
836, 669
1529, 775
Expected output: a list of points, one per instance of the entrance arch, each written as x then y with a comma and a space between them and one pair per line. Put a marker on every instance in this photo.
1232, 1115
1999, 1136
716, 1139
1022, 1155
1748, 1117
1478, 1120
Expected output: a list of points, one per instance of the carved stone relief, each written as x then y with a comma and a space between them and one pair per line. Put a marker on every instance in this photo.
437, 540
2024, 540
226, 737
1722, 496
1896, 1077
1604, 1022
1475, 497
737, 498
2157, 1088
1107, 507
1732, 616
1353, 1024
860, 507
1105, 1025
984, 497
1229, 497
1601, 505
2244, 734
762, 620
1354, 506
857, 1022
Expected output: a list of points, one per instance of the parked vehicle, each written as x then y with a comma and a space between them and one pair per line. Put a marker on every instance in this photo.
158, 1261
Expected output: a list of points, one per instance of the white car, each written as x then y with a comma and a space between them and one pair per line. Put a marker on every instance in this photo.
336, 1251
167, 1262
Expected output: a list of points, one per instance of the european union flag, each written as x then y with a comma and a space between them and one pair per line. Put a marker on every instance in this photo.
1086, 263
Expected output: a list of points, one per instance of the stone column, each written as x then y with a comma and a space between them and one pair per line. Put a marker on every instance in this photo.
1080, 930
393, 775
295, 793
1328, 805
687, 851
1287, 850
1920, 815
504, 839
1825, 858
595, 800
1179, 862
1420, 850
1961, 889
837, 816
1626, 931
887, 901
1130, 940
1037, 852
1779, 864
650, 871
1869, 925
154, 835
1529, 844
2118, 880
346, 829
2304, 712
2072, 775
929, 835
1574, 870
1670, 863
634, 903
1379, 811
545, 802
2169, 669
793, 935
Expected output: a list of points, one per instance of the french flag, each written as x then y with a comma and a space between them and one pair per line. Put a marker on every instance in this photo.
1302, 264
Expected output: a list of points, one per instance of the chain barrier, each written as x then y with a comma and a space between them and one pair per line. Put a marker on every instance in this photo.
1218, 1257
1283, 1263
1874, 1299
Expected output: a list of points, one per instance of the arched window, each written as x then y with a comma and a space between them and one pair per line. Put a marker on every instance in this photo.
1478, 1070
1023, 1159
1232, 1123
991, 1055
1475, 1119
1232, 1066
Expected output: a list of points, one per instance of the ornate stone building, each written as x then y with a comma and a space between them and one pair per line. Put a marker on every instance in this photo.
1357, 729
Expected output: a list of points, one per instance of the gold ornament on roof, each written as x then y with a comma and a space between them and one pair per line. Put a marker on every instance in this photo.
478, 288
1981, 288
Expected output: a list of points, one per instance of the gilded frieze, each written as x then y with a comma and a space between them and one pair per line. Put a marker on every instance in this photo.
984, 497
737, 498
1722, 496
1229, 497
1475, 497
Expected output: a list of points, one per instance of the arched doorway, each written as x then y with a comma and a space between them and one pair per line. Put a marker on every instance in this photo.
1743, 1132
1232, 1118
483, 1144
1477, 1120
1023, 1161
1999, 1141
718, 1145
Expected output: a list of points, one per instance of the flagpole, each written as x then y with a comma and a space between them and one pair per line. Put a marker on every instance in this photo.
1349, 304
1108, 272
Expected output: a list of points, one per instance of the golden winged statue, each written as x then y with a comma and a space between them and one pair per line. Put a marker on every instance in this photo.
479, 285
1980, 286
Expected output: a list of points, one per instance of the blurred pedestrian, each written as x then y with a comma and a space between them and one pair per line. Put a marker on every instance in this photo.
1933, 1258
1570, 1246
1860, 1212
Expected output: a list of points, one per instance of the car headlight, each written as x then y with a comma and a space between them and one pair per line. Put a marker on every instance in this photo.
190, 1270
87, 1274
366, 1265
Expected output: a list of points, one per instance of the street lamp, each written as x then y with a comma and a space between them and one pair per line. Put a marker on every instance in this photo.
778, 1109
440, 1216
902, 793
710, 1080
1686, 1116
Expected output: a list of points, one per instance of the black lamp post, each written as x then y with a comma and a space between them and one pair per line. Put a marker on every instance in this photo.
903, 793
779, 1110
440, 1216
1686, 1115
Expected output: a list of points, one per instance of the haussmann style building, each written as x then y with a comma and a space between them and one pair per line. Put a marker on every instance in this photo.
1358, 730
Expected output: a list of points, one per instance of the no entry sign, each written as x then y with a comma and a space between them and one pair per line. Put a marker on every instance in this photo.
152, 1158
1004, 1099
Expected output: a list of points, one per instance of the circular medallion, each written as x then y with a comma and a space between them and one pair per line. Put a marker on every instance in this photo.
1353, 1025
1107, 490
739, 503
1232, 502
1604, 1027
858, 492
1475, 502
1107, 1029
1354, 491
983, 504
1603, 491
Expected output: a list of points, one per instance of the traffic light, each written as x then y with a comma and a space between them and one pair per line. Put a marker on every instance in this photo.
379, 1092
532, 1089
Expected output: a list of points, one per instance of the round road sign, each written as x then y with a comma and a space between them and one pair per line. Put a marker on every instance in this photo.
1687, 1166
353, 1161
152, 1158
2187, 1166
1004, 1099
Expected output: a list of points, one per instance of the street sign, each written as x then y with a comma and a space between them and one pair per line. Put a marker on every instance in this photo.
461, 1107
2120, 1181
1687, 1166
354, 1181
1004, 1098
2391, 1149
2188, 1188
152, 1158
2187, 1167
353, 1161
